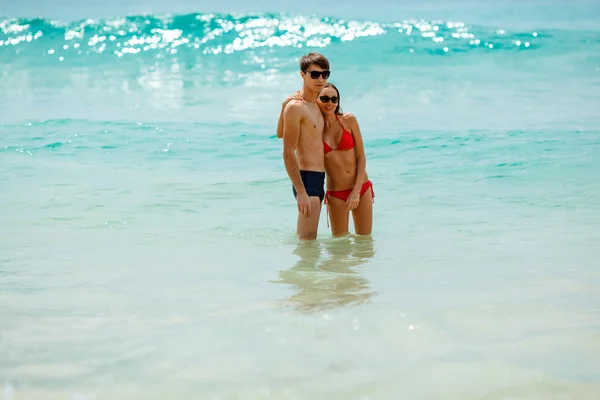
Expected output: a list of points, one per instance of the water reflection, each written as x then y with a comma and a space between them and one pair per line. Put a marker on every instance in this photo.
328, 273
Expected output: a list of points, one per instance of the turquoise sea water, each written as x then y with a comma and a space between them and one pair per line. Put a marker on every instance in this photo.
147, 247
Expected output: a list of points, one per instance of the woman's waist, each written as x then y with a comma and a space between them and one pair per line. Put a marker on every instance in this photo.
338, 181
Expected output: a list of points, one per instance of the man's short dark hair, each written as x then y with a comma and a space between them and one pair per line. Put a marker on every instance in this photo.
314, 59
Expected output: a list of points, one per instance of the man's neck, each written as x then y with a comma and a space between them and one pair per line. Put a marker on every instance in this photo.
308, 95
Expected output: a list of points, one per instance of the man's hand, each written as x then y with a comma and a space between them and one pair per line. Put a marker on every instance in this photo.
304, 204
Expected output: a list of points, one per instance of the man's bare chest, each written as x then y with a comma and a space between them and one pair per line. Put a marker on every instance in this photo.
313, 122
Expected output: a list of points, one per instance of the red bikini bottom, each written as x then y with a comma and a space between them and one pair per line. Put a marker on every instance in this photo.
344, 194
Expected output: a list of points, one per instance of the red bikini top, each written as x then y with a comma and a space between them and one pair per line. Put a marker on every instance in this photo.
346, 141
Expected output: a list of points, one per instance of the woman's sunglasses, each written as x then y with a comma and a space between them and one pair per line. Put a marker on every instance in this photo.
326, 99
315, 74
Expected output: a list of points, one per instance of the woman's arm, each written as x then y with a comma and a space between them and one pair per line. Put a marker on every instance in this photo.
280, 122
359, 150
361, 162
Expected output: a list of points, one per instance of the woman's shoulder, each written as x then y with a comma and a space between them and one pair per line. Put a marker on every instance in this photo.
348, 118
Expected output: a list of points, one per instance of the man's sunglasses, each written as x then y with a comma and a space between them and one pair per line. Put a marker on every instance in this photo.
325, 99
315, 74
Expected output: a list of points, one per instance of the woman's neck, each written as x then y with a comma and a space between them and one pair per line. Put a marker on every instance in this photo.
330, 120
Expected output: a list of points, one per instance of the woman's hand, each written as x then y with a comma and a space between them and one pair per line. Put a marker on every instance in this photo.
293, 96
353, 200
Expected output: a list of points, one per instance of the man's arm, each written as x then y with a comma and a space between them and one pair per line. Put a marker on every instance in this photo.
291, 135
293, 96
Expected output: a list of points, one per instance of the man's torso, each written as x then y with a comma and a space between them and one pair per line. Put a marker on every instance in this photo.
310, 152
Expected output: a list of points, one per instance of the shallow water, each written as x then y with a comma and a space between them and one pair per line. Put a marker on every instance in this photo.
147, 246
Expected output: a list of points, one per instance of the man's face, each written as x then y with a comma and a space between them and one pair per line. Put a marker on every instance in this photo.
315, 77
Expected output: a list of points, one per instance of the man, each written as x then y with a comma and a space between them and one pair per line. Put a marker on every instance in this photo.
301, 126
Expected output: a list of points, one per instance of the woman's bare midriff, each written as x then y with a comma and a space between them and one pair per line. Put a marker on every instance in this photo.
340, 169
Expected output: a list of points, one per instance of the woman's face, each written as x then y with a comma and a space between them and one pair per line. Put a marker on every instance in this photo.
328, 100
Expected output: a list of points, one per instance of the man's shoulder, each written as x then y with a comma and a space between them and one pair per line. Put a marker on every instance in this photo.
294, 107
295, 103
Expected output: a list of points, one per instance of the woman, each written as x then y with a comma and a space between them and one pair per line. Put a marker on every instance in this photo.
348, 186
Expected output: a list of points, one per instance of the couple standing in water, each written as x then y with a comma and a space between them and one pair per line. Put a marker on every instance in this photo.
319, 139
